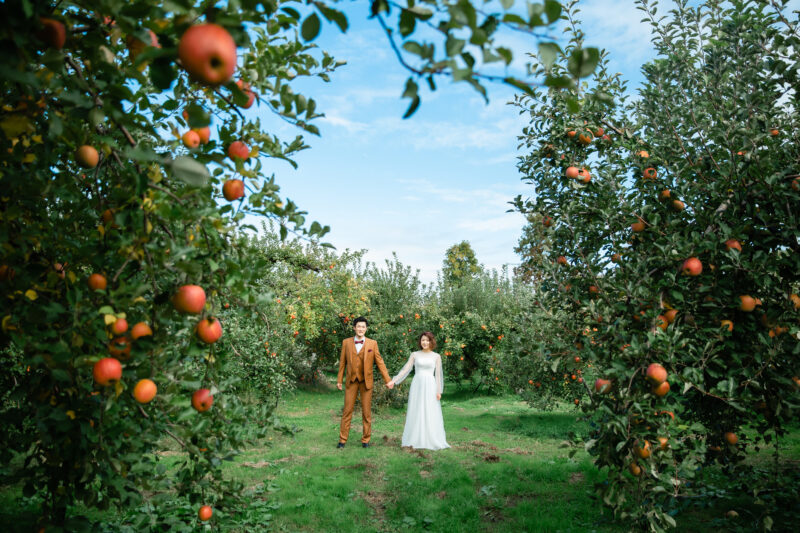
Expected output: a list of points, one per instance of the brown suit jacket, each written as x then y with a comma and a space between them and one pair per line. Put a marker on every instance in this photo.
371, 356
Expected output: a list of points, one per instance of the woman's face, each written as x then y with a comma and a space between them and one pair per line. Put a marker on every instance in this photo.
425, 343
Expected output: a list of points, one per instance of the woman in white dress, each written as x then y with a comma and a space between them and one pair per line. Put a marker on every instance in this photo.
424, 424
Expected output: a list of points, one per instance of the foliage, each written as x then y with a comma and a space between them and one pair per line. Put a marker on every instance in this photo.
715, 125
459, 263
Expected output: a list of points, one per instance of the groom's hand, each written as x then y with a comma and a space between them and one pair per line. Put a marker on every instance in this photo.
390, 385
339, 386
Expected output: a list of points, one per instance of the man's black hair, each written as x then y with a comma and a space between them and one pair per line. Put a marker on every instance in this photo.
360, 319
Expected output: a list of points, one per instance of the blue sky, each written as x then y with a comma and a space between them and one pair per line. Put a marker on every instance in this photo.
418, 186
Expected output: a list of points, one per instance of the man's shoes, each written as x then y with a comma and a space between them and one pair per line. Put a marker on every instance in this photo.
365, 444
340, 445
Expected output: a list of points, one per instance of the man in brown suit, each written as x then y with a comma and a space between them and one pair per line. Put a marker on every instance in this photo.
359, 354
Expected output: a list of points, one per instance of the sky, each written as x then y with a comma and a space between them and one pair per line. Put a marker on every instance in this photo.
418, 186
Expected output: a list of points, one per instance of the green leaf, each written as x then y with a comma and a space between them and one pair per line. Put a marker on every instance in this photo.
422, 13
162, 73
310, 28
407, 23
552, 8
190, 171
413, 47
583, 61
548, 53
558, 82
506, 4
454, 46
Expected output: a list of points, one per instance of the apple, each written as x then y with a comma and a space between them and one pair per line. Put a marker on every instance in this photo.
663, 443
572, 172
643, 154
635, 469
238, 150
747, 303
586, 137
204, 133
731, 438
205, 513
663, 323
145, 390
677, 205
245, 88
584, 176
616, 258
53, 33
561, 260
639, 226
599, 132
209, 330
664, 195
136, 46
97, 282
190, 299
119, 327
670, 315
594, 289
202, 400
87, 156
774, 132
208, 53
107, 371
141, 330
107, 216
649, 173
233, 189
795, 300
120, 348
733, 244
661, 390
656, 373
191, 139
692, 267
547, 221
603, 386
642, 450
726, 324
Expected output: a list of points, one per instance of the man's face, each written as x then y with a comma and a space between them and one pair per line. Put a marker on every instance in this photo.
360, 329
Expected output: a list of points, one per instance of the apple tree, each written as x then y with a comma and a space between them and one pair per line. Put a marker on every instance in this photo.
667, 224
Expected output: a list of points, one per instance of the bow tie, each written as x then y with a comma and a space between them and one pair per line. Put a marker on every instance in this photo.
359, 342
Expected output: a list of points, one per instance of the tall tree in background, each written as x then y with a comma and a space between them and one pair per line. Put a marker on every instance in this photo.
460, 264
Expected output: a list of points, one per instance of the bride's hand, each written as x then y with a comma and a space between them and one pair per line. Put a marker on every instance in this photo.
390, 385
438, 396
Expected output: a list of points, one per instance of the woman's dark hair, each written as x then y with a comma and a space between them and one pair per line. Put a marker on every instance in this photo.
430, 339
360, 319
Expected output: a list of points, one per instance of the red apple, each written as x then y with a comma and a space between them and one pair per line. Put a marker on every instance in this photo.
692, 267
145, 390
141, 330
208, 53
209, 330
233, 189
603, 386
191, 139
107, 371
561, 260
202, 400
656, 373
87, 156
733, 244
251, 96
97, 282
238, 149
204, 133
190, 299
119, 327
205, 513
649, 173
661, 390
731, 438
120, 347
572, 172
747, 303
53, 33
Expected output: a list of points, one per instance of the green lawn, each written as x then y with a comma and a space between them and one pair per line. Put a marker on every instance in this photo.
506, 471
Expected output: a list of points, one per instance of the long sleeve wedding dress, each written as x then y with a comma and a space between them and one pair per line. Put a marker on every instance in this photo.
424, 423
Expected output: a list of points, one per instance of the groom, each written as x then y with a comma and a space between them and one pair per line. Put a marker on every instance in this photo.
359, 354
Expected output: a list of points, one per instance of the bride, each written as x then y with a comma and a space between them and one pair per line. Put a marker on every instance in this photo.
424, 424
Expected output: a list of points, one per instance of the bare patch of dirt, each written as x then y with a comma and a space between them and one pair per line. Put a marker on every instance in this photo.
576, 477
424, 473
441, 495
368, 467
420, 453
490, 458
518, 451
390, 441
481, 444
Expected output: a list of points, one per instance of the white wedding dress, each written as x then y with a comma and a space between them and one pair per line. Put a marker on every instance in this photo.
424, 423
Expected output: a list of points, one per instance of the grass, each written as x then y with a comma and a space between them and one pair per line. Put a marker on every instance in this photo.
506, 470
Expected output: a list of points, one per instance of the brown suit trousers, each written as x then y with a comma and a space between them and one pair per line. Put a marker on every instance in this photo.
359, 380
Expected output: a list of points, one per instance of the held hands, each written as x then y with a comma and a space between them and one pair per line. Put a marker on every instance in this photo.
390, 385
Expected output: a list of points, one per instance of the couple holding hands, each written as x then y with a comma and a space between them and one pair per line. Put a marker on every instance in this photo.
424, 424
